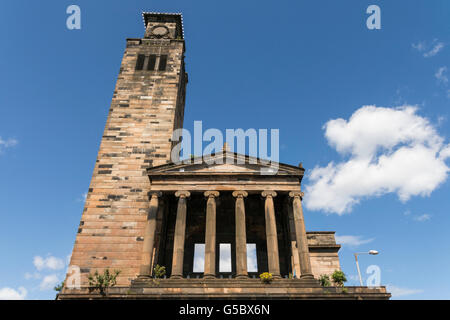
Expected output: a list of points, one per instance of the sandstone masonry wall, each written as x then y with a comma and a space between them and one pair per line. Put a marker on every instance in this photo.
146, 107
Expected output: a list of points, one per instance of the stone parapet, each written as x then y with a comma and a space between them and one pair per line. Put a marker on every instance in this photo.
228, 289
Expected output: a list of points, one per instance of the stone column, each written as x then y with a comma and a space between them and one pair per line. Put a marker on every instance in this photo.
149, 236
300, 235
241, 238
180, 233
273, 257
210, 235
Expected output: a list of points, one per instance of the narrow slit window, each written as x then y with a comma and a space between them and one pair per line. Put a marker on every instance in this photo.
225, 257
199, 257
151, 62
140, 62
252, 262
162, 63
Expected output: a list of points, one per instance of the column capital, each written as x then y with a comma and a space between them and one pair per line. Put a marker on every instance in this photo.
211, 194
269, 193
240, 194
153, 194
182, 194
295, 194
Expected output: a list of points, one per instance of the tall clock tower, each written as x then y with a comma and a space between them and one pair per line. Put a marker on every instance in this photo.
147, 106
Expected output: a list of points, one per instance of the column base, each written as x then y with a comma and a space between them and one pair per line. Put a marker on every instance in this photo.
176, 276
145, 270
276, 276
209, 276
242, 276
307, 276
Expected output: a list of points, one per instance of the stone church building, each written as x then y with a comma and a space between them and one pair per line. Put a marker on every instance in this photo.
142, 210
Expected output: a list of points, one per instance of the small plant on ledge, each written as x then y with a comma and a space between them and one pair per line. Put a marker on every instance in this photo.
325, 280
339, 278
266, 277
59, 287
102, 281
158, 273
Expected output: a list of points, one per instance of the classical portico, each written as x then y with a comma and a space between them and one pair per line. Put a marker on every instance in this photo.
196, 199
247, 219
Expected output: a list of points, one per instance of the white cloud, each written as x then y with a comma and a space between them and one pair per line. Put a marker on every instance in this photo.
49, 262
352, 241
435, 50
429, 50
34, 275
49, 282
7, 143
389, 150
12, 294
83, 197
398, 292
441, 76
423, 217
420, 46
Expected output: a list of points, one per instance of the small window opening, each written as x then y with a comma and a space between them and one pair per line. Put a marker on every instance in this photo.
252, 262
199, 257
151, 62
140, 62
162, 63
225, 257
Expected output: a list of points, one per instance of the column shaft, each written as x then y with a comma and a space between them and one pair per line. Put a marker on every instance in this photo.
300, 233
179, 237
149, 237
271, 234
210, 235
241, 238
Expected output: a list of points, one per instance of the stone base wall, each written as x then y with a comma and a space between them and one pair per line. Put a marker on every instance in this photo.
323, 252
228, 289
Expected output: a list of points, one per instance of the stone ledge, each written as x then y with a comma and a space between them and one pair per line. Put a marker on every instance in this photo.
227, 289
224, 283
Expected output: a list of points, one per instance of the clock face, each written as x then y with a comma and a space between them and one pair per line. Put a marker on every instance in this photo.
160, 31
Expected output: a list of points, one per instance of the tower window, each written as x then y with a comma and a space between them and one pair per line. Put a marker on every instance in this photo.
151, 62
140, 62
162, 63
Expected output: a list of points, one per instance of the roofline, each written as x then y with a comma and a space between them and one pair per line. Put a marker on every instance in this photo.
247, 157
151, 170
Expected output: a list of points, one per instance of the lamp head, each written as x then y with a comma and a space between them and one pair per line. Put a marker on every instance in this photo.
373, 252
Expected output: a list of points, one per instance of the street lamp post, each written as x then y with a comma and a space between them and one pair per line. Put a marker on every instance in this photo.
372, 252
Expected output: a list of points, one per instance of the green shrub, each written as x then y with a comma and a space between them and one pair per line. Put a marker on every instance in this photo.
339, 278
325, 280
102, 281
59, 287
159, 271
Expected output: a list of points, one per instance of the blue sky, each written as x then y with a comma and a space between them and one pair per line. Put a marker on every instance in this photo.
253, 64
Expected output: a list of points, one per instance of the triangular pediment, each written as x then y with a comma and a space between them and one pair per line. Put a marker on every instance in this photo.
226, 163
